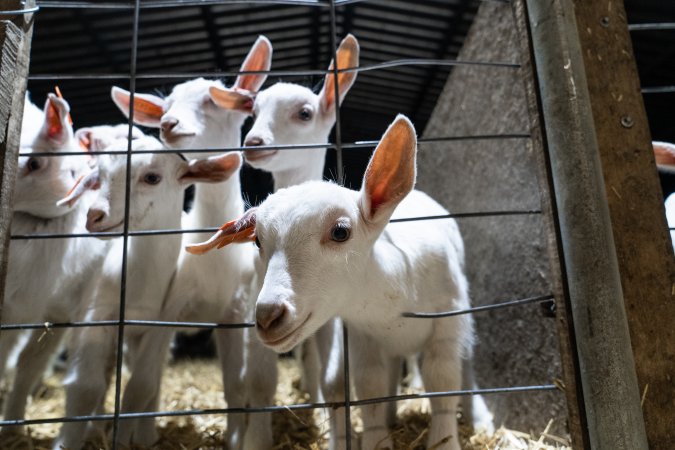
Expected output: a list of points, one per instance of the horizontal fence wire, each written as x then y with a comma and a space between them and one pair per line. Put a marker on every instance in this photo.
108, 234
475, 309
331, 146
17, 12
658, 26
206, 325
658, 90
282, 408
281, 73
188, 3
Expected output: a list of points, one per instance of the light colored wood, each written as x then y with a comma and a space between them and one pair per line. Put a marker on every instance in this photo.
15, 39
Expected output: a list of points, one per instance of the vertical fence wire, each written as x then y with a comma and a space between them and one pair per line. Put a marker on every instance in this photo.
341, 180
125, 232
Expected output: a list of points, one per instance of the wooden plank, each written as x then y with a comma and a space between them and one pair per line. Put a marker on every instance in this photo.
635, 201
576, 420
15, 38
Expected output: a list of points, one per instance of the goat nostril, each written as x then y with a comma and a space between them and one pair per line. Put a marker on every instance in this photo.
168, 125
95, 216
270, 317
253, 142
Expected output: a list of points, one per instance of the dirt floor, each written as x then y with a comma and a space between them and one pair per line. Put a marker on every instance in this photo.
196, 384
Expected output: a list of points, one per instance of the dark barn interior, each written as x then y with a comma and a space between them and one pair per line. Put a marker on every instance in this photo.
204, 38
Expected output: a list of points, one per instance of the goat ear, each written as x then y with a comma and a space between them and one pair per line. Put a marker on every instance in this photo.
86, 182
240, 230
235, 99
347, 57
56, 127
259, 58
390, 175
664, 153
211, 170
148, 108
83, 137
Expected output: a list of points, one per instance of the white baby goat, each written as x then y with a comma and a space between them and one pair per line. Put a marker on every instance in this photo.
330, 251
290, 114
101, 137
46, 277
214, 288
157, 185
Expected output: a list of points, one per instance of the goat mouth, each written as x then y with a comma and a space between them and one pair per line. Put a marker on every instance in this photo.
285, 338
259, 155
174, 137
104, 229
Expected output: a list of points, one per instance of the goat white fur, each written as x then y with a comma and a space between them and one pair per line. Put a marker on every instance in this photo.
102, 137
213, 288
290, 114
329, 251
62, 266
156, 199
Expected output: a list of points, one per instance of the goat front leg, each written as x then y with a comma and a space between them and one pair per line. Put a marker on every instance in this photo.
329, 339
86, 383
372, 369
142, 392
8, 340
30, 366
260, 374
442, 371
230, 346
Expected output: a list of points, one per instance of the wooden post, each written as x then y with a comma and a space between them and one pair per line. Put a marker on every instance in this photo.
15, 38
643, 246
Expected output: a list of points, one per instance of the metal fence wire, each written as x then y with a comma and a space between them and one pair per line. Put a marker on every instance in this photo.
329, 7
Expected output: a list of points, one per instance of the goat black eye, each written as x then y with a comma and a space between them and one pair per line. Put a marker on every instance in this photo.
257, 242
305, 114
340, 233
33, 164
152, 178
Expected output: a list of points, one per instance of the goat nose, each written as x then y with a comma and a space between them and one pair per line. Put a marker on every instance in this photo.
168, 124
94, 216
269, 316
253, 141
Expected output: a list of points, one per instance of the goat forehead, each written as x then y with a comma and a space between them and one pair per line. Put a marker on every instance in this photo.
305, 207
284, 93
192, 90
112, 165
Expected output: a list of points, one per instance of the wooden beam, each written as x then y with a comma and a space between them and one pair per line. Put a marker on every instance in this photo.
643, 246
15, 39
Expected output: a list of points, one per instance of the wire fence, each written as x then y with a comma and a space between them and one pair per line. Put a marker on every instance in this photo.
338, 145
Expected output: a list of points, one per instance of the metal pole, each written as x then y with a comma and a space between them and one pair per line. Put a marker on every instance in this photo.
608, 378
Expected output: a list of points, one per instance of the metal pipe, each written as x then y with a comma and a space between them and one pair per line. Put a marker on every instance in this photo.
608, 378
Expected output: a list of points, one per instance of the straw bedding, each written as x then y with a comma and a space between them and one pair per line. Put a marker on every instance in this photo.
197, 384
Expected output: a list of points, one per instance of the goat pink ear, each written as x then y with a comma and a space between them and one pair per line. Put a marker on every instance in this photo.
664, 153
83, 137
148, 108
83, 184
347, 57
234, 231
390, 175
56, 127
259, 59
212, 170
233, 99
